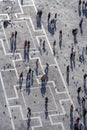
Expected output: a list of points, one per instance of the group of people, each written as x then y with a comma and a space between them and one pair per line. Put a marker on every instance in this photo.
13, 42
26, 50
42, 49
52, 23
83, 8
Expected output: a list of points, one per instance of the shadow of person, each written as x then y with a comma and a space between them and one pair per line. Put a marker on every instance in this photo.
81, 31
67, 78
28, 123
46, 114
28, 89
79, 100
43, 90
38, 23
79, 10
84, 83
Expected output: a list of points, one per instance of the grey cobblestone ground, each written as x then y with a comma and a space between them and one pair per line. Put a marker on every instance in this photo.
13, 102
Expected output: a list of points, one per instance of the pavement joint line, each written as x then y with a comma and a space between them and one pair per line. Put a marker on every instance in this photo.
63, 113
5, 36
12, 60
24, 118
56, 63
15, 69
60, 101
28, 18
37, 37
10, 115
2, 70
20, 6
28, 30
5, 15
55, 59
22, 94
59, 123
50, 65
33, 127
15, 86
16, 97
18, 106
10, 54
30, 34
30, 50
27, 5
35, 58
24, 100
53, 99
60, 92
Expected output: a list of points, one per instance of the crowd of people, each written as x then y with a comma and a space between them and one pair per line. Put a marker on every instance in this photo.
82, 9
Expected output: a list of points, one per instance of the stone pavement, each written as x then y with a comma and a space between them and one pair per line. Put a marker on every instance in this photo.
13, 102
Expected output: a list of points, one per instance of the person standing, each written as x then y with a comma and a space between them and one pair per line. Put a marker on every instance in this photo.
71, 116
83, 7
32, 77
79, 7
60, 38
12, 40
40, 47
21, 2
78, 91
46, 107
15, 41
80, 26
28, 82
46, 71
49, 15
28, 118
20, 80
37, 65
44, 48
25, 49
77, 124
54, 49
67, 74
